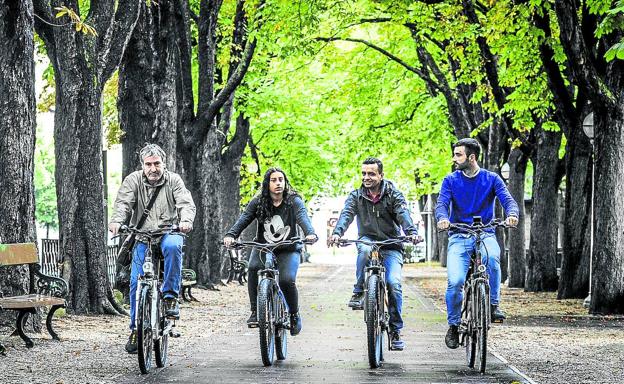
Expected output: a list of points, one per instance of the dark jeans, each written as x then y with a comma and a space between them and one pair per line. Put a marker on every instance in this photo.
287, 264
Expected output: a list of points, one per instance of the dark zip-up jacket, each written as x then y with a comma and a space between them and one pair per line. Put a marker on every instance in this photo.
378, 221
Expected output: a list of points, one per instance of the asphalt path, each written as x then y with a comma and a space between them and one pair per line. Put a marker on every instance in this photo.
332, 345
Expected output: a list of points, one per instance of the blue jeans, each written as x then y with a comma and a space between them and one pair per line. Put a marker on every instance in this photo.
287, 263
171, 247
393, 262
458, 261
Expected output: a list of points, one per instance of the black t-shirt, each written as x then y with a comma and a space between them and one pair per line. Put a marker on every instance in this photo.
281, 226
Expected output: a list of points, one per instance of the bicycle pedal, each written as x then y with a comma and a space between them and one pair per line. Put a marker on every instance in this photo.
497, 321
357, 308
174, 334
253, 325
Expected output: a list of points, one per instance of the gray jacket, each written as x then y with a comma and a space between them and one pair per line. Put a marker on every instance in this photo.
173, 204
379, 221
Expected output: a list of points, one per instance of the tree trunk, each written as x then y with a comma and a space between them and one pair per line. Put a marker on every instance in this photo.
82, 64
608, 272
541, 265
17, 138
517, 264
574, 280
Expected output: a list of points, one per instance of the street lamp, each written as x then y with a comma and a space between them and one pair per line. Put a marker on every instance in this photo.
588, 129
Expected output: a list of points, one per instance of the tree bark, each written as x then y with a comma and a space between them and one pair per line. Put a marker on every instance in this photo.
82, 64
541, 265
517, 263
17, 139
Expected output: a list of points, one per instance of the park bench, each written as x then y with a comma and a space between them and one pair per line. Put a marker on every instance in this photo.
238, 267
189, 280
51, 291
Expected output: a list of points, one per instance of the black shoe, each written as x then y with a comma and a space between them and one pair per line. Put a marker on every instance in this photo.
497, 315
396, 344
356, 301
172, 308
252, 322
131, 345
295, 324
452, 337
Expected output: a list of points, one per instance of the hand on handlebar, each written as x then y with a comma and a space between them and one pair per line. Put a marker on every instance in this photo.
333, 240
114, 228
310, 239
228, 241
415, 239
443, 224
511, 221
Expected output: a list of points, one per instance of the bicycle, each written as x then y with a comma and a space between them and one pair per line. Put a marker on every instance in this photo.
272, 309
475, 314
153, 327
376, 314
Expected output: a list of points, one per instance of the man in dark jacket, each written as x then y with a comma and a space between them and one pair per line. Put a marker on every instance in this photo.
380, 208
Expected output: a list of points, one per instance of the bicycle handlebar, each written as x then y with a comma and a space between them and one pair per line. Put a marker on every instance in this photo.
473, 229
267, 247
375, 243
124, 229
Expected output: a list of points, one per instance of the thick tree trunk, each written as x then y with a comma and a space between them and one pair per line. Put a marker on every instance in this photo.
136, 101
17, 138
517, 263
541, 265
608, 272
574, 280
80, 194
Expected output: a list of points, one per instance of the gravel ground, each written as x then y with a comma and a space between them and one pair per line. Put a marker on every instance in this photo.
551, 341
92, 347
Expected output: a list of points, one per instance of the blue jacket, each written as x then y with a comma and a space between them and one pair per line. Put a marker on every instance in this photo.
464, 197
380, 221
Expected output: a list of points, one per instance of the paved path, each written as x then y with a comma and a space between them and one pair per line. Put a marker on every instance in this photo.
332, 345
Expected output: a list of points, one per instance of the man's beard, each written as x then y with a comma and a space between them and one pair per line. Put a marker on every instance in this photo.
462, 166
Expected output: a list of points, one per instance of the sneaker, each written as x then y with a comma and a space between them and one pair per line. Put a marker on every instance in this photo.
452, 337
172, 308
131, 345
356, 301
396, 344
252, 322
497, 315
295, 324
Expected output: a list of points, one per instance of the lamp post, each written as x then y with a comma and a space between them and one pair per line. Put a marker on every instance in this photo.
588, 129
505, 172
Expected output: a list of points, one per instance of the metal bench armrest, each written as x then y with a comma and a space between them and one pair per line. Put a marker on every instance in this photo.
50, 285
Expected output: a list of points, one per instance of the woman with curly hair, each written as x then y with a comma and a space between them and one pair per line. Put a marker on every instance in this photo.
278, 209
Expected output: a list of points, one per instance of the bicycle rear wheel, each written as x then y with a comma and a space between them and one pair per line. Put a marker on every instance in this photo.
482, 322
161, 344
373, 322
281, 338
470, 339
144, 329
266, 321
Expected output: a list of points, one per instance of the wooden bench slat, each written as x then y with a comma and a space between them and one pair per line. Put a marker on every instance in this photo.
21, 253
29, 301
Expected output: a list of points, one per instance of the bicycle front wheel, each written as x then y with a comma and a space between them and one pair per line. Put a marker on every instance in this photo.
266, 321
161, 344
144, 329
281, 334
482, 321
470, 337
373, 322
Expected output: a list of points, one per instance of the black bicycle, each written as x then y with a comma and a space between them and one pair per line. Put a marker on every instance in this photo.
272, 309
153, 327
376, 314
475, 314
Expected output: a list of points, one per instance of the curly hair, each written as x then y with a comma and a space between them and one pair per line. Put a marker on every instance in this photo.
265, 206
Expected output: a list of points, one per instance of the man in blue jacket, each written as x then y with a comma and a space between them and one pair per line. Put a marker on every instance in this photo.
467, 192
380, 208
